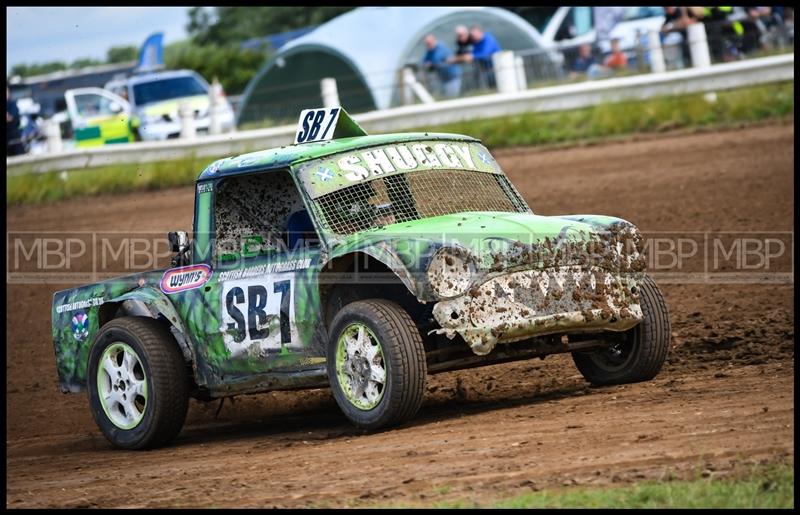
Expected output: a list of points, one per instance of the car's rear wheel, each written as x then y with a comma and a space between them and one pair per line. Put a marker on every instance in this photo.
137, 383
637, 354
376, 363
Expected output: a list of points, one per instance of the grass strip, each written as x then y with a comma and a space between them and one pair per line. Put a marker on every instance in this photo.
751, 104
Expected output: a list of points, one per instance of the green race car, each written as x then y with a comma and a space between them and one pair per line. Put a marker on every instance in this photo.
362, 263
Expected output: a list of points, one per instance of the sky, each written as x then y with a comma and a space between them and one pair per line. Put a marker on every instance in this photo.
42, 34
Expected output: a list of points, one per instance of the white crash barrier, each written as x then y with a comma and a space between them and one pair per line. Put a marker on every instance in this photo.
52, 132
330, 92
698, 45
519, 65
717, 77
411, 87
214, 127
657, 64
505, 71
186, 114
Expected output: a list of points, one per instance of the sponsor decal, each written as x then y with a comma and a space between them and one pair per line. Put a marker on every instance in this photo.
80, 326
399, 158
79, 304
205, 187
265, 269
185, 278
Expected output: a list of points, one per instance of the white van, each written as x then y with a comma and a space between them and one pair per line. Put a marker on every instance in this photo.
572, 26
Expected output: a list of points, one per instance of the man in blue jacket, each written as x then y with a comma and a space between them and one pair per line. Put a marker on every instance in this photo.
437, 59
484, 45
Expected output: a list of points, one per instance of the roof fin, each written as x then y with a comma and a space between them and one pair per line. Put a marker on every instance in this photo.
322, 124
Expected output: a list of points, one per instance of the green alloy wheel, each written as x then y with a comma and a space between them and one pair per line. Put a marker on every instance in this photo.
140, 392
377, 366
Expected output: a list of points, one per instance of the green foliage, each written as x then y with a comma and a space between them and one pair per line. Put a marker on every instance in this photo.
52, 186
233, 66
232, 25
83, 62
759, 487
659, 114
28, 70
614, 119
122, 54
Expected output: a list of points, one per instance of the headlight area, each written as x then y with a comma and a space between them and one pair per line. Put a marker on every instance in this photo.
150, 119
451, 271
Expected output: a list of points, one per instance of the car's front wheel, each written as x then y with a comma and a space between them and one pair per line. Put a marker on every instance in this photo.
376, 363
137, 383
637, 354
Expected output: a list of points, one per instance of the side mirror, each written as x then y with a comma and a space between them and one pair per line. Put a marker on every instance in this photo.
178, 241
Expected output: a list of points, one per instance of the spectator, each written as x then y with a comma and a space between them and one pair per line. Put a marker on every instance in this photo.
14, 145
673, 33
463, 43
758, 25
437, 59
484, 45
723, 34
463, 54
616, 60
582, 63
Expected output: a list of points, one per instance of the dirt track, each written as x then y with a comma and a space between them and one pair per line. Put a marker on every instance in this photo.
725, 395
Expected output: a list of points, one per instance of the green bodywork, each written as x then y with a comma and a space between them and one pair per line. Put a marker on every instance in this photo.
492, 248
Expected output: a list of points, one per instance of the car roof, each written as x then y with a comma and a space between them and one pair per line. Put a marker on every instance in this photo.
288, 155
150, 77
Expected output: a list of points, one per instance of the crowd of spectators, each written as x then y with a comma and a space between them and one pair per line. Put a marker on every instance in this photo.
473, 55
731, 34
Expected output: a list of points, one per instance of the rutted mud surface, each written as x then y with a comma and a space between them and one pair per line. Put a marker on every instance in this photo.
725, 394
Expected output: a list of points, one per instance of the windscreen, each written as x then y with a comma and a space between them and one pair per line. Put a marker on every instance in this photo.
167, 89
374, 187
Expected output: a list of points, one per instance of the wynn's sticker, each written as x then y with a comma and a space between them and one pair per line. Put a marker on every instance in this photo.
185, 278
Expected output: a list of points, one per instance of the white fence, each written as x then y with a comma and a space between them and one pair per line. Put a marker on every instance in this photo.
712, 78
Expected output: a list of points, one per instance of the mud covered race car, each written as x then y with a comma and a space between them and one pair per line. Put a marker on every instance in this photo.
362, 263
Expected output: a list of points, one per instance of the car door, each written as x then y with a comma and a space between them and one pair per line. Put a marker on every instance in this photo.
98, 117
259, 311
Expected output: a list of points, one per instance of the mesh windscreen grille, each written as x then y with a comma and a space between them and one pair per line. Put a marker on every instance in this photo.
416, 195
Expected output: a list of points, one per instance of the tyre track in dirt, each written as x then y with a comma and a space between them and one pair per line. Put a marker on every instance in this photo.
725, 394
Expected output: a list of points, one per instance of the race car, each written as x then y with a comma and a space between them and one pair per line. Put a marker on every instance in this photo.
360, 263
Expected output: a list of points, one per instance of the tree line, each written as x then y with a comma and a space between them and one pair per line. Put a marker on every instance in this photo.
213, 47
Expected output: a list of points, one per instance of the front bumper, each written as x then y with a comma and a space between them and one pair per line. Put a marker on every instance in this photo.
519, 305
